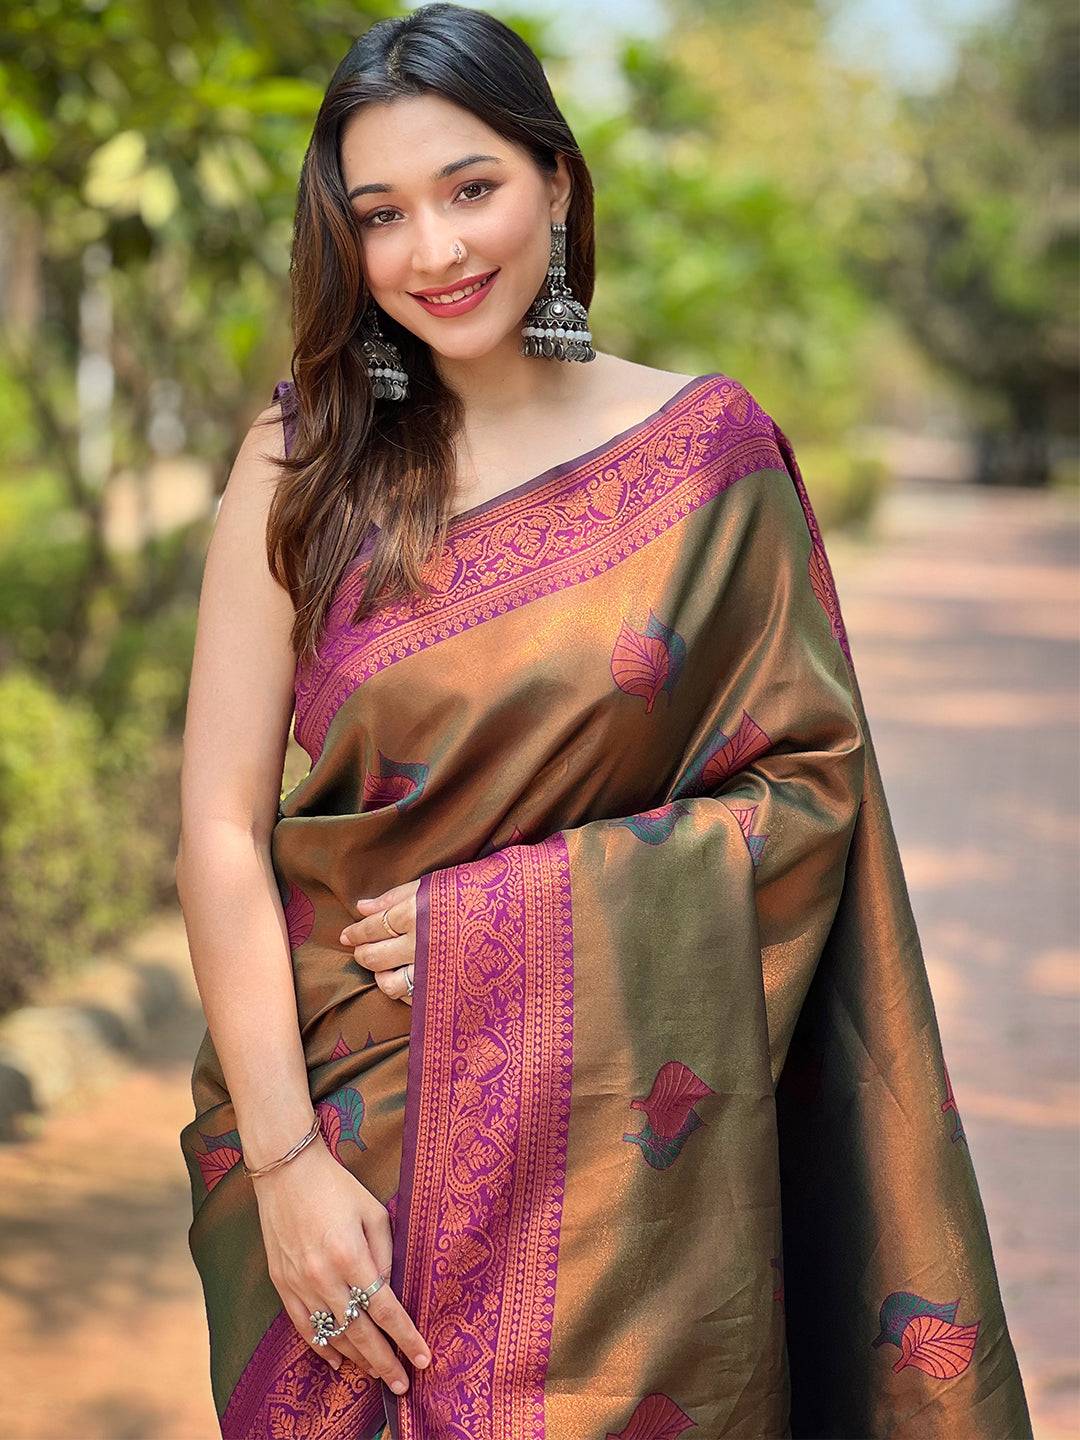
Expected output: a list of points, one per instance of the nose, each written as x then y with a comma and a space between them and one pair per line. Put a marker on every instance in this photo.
433, 252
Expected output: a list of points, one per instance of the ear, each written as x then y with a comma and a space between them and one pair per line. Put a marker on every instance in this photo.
561, 187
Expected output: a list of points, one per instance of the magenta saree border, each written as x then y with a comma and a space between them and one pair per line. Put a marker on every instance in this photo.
487, 1117
286, 1389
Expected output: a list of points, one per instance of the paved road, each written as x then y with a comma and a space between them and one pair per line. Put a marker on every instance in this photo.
964, 629
963, 622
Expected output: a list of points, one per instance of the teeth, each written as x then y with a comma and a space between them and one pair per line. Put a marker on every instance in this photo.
456, 295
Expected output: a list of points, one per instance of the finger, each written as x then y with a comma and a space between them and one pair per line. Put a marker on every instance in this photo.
384, 1308
300, 1315
383, 955
394, 984
349, 1342
367, 903
360, 1340
367, 1338
371, 929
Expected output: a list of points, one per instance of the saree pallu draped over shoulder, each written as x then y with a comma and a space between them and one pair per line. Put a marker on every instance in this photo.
667, 1136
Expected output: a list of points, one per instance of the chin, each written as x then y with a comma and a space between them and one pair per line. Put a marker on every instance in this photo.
471, 347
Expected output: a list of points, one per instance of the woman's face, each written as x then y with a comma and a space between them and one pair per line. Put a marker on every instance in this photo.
500, 207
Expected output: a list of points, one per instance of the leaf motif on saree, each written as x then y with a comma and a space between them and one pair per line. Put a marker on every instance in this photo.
653, 826
949, 1103
644, 662
218, 1160
736, 753
606, 492
669, 1108
745, 816
299, 916
398, 782
674, 1092
936, 1347
661, 1151
657, 1417
926, 1334
340, 1118
723, 755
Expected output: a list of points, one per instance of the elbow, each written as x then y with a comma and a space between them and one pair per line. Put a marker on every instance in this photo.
178, 871
215, 846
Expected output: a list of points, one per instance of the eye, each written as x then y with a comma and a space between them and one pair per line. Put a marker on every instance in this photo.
371, 220
470, 184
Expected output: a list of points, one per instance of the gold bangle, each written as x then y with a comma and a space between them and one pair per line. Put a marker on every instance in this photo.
262, 1170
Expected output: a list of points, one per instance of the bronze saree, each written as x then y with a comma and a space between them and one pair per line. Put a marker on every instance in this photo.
667, 1136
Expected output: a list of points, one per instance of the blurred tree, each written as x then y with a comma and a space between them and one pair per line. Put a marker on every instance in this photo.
725, 188
152, 152
975, 244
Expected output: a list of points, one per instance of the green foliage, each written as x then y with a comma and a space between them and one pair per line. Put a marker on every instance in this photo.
77, 863
845, 482
974, 240
723, 187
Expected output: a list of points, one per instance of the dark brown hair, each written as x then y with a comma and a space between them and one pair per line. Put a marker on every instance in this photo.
354, 456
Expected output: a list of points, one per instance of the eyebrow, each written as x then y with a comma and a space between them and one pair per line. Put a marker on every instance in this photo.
454, 165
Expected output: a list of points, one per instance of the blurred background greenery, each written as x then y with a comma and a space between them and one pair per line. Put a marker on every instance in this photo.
884, 266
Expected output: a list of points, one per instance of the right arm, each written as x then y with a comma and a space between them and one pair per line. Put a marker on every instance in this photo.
239, 707
236, 730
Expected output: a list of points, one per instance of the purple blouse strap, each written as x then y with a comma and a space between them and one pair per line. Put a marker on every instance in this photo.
285, 391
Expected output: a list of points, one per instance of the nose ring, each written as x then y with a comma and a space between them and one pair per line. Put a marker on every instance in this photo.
459, 253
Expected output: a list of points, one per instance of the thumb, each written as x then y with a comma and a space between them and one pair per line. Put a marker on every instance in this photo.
389, 897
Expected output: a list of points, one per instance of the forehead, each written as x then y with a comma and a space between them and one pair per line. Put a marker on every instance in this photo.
408, 139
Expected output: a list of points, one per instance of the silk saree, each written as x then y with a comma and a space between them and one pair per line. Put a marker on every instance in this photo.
667, 1136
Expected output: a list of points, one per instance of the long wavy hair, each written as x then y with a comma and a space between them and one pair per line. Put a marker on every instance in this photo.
352, 455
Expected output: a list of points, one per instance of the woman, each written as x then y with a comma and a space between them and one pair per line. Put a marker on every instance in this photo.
584, 943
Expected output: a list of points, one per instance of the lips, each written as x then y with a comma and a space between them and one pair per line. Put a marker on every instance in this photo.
449, 289
449, 308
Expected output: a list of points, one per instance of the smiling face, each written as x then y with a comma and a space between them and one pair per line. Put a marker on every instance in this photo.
412, 198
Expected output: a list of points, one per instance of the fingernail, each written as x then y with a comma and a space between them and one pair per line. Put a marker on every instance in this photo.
398, 1387
422, 1361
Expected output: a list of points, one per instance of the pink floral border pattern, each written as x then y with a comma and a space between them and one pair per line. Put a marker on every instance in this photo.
578, 524
288, 1390
821, 575
492, 1119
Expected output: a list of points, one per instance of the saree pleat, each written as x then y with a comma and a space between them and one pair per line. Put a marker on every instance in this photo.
667, 1138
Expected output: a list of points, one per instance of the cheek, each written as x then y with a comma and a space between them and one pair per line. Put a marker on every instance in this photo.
386, 261
508, 234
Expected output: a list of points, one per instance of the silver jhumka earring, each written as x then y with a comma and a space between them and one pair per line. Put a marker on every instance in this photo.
556, 324
389, 379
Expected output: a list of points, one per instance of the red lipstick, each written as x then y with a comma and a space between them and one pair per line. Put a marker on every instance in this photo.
456, 307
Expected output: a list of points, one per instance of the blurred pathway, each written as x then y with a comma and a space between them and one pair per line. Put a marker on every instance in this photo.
94, 1214
963, 623
965, 631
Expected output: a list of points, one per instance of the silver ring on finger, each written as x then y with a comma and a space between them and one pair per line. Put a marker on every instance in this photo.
409, 987
323, 1320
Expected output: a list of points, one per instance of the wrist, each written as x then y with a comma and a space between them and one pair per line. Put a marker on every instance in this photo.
270, 1137
301, 1168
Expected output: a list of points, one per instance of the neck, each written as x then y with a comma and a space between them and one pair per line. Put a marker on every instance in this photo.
504, 380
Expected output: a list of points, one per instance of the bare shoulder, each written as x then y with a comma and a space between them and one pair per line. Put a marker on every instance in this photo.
633, 388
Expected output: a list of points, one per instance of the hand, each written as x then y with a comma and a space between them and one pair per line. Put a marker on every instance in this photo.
387, 955
323, 1231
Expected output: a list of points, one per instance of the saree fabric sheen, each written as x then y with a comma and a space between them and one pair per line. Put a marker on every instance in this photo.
667, 1137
